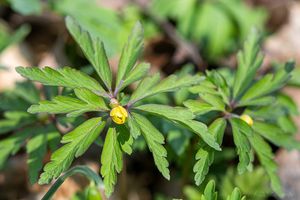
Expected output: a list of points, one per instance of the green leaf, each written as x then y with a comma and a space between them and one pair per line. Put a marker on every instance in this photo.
266, 157
130, 53
144, 86
36, 149
294, 81
210, 191
77, 142
169, 84
27, 91
242, 144
288, 103
236, 195
192, 193
171, 113
137, 73
249, 60
204, 158
111, 160
287, 124
276, 135
182, 116
87, 102
155, 141
30, 7
133, 127
217, 129
262, 101
214, 100
201, 129
7, 38
65, 77
198, 107
93, 49
125, 139
173, 82
53, 137
179, 140
10, 101
90, 98
206, 86
269, 83
205, 155
14, 120
11, 145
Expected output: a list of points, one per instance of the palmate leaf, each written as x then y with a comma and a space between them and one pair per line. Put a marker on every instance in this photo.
111, 160
78, 142
183, 117
155, 141
266, 158
241, 132
130, 53
93, 49
214, 100
198, 107
87, 101
205, 155
249, 60
65, 77
275, 135
144, 86
269, 83
137, 73
151, 85
172, 113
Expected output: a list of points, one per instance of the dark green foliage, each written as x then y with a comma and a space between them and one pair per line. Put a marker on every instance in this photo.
254, 98
103, 98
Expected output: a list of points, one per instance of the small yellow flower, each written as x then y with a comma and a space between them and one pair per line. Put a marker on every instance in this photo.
247, 119
119, 114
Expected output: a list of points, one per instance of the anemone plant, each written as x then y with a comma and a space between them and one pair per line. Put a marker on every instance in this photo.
115, 112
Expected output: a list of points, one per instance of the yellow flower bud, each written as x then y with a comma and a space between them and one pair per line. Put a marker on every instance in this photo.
119, 115
247, 119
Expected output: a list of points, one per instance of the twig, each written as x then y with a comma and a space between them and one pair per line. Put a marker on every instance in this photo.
189, 49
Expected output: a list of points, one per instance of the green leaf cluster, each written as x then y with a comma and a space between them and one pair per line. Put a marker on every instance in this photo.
102, 97
210, 193
223, 98
20, 129
254, 184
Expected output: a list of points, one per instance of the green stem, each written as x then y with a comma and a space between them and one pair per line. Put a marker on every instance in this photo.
87, 172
